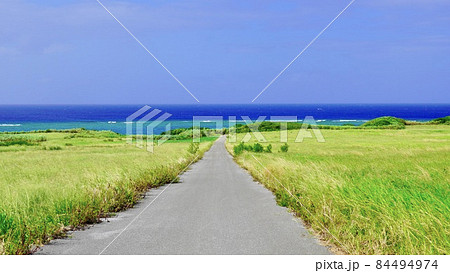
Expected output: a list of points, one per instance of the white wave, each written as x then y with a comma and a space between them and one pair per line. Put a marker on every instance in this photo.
112, 122
283, 120
10, 125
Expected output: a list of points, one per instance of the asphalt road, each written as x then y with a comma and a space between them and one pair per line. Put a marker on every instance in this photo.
216, 209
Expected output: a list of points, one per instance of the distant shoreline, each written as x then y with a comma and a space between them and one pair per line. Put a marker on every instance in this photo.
113, 117
377, 123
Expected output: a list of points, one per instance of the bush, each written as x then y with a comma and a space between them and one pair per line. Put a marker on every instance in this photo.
284, 148
21, 140
266, 126
386, 122
54, 148
187, 133
444, 120
258, 148
238, 149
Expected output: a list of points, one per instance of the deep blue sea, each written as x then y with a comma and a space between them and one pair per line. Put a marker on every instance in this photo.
113, 117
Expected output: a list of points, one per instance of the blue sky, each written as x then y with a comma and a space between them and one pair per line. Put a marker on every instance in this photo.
73, 52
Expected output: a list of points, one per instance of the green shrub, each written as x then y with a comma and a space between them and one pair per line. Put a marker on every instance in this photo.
82, 133
188, 133
386, 122
444, 120
21, 140
257, 148
238, 149
266, 126
242, 147
284, 148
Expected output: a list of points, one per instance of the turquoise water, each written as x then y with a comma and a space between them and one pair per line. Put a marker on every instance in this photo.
113, 117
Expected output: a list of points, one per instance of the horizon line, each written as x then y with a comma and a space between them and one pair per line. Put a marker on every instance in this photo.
197, 104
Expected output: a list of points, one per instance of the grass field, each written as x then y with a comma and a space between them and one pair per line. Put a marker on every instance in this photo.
52, 182
376, 191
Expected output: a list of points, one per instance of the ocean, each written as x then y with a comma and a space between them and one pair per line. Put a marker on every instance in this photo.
113, 117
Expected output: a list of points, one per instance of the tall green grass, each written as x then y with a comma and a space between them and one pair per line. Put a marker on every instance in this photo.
375, 191
11, 140
46, 191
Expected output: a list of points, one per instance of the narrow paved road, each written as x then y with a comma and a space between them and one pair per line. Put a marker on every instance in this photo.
217, 209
